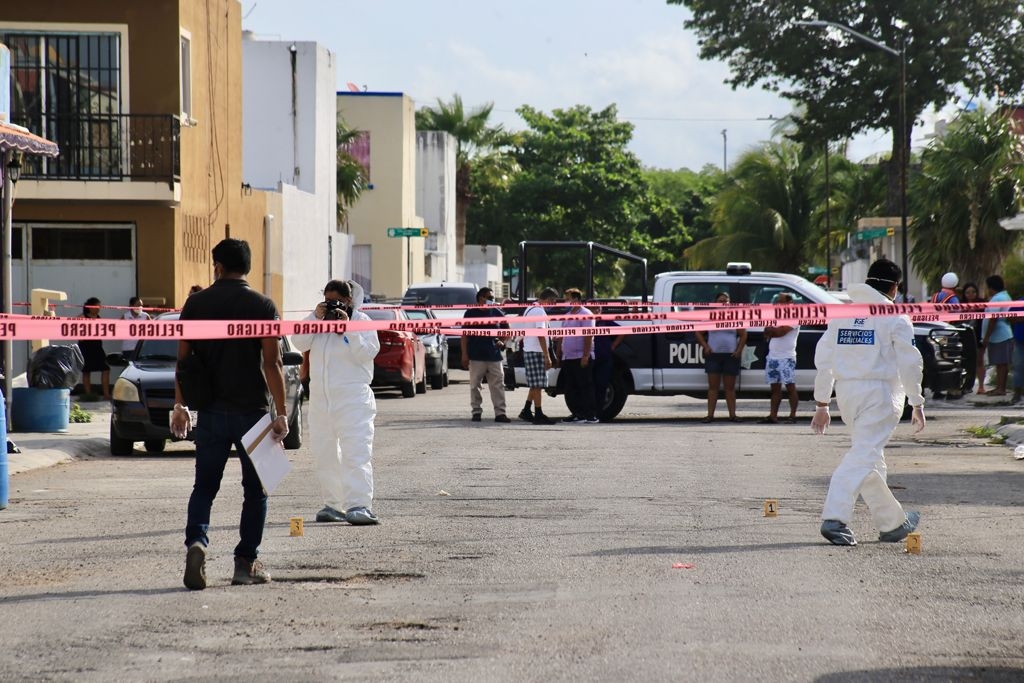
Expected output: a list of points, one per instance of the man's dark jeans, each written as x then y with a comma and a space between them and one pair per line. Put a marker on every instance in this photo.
215, 433
579, 388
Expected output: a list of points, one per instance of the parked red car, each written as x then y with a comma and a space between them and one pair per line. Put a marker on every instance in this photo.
402, 361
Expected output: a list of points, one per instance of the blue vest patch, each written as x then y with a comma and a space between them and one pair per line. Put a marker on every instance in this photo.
847, 336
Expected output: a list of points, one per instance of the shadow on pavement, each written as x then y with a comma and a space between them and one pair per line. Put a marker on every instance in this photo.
926, 674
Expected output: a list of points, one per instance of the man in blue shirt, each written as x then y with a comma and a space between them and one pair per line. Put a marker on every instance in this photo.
482, 357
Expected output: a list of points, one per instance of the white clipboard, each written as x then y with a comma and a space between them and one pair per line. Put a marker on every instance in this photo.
267, 455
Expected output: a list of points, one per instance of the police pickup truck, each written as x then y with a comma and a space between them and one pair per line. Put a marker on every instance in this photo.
671, 364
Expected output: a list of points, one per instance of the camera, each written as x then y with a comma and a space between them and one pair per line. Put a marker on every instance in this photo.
333, 308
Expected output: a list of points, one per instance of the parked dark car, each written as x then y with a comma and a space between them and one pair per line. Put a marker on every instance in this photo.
435, 345
444, 294
143, 396
402, 359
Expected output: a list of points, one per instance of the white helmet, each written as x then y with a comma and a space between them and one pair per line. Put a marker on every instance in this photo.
950, 280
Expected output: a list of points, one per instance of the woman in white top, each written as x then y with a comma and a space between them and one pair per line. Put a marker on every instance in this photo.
780, 366
136, 313
722, 352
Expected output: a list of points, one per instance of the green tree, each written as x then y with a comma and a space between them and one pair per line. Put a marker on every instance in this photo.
847, 86
692, 194
764, 214
575, 180
351, 174
474, 138
970, 178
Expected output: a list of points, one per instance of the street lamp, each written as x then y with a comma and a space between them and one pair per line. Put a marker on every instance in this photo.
903, 146
725, 148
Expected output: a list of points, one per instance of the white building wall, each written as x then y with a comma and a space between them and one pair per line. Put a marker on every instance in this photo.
435, 203
483, 266
289, 139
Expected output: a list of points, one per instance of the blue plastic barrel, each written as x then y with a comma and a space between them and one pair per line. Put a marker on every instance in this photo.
3, 453
41, 410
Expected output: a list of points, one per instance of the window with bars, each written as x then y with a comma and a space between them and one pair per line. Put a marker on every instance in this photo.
67, 88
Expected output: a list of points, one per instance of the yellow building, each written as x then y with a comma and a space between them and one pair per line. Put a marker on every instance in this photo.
384, 265
144, 99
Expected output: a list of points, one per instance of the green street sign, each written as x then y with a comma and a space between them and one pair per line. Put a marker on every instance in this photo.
874, 233
510, 272
408, 232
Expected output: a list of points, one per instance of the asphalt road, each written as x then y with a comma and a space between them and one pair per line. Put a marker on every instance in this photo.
635, 550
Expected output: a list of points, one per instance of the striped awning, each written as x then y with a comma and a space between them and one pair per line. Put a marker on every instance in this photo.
19, 139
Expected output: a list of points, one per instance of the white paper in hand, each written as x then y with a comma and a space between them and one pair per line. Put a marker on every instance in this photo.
267, 455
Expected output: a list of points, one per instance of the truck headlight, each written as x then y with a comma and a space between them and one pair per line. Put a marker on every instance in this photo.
125, 391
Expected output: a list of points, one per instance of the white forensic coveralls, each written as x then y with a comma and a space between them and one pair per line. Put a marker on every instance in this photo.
873, 363
342, 409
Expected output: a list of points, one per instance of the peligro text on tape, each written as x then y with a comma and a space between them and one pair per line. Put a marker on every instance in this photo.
24, 327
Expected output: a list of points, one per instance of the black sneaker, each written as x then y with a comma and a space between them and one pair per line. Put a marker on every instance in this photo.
249, 572
572, 419
195, 567
476, 417
501, 418
526, 414
540, 418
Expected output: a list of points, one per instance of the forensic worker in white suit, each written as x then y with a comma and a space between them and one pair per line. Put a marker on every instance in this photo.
873, 364
342, 407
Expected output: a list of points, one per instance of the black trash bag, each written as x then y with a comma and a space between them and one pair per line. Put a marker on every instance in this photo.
56, 367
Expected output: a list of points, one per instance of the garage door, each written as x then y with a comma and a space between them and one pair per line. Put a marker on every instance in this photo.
83, 260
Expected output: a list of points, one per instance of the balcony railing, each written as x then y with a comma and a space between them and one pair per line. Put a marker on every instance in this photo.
107, 147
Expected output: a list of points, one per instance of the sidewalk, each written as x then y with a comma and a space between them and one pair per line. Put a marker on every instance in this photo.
42, 449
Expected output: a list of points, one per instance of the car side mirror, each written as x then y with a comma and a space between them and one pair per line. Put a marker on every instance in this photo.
117, 360
291, 358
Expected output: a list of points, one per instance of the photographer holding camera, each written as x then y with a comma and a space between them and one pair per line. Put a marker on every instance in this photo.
342, 406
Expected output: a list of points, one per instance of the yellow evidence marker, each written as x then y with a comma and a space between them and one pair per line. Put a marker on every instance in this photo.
295, 526
914, 543
771, 508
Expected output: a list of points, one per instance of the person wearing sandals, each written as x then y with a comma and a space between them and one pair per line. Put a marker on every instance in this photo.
722, 352
873, 365
780, 365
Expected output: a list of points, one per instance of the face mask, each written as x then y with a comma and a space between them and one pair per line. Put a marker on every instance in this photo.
137, 311
490, 302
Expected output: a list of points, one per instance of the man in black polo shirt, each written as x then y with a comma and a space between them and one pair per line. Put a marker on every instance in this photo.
242, 371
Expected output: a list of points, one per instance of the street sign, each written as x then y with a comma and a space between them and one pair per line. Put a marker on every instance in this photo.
408, 232
874, 233
510, 272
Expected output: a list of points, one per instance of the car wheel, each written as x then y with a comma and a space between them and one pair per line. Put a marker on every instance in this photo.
155, 445
618, 392
421, 386
408, 389
437, 381
119, 446
445, 376
294, 438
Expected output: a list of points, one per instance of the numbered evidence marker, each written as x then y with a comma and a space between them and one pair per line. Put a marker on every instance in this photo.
295, 526
771, 508
914, 543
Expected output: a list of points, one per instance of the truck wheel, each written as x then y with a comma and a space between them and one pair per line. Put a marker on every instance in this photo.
619, 391
294, 438
119, 446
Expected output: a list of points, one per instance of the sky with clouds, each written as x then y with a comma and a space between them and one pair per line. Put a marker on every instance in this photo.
548, 54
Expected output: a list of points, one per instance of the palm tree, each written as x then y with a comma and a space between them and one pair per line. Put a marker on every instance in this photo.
351, 173
764, 213
968, 182
474, 140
